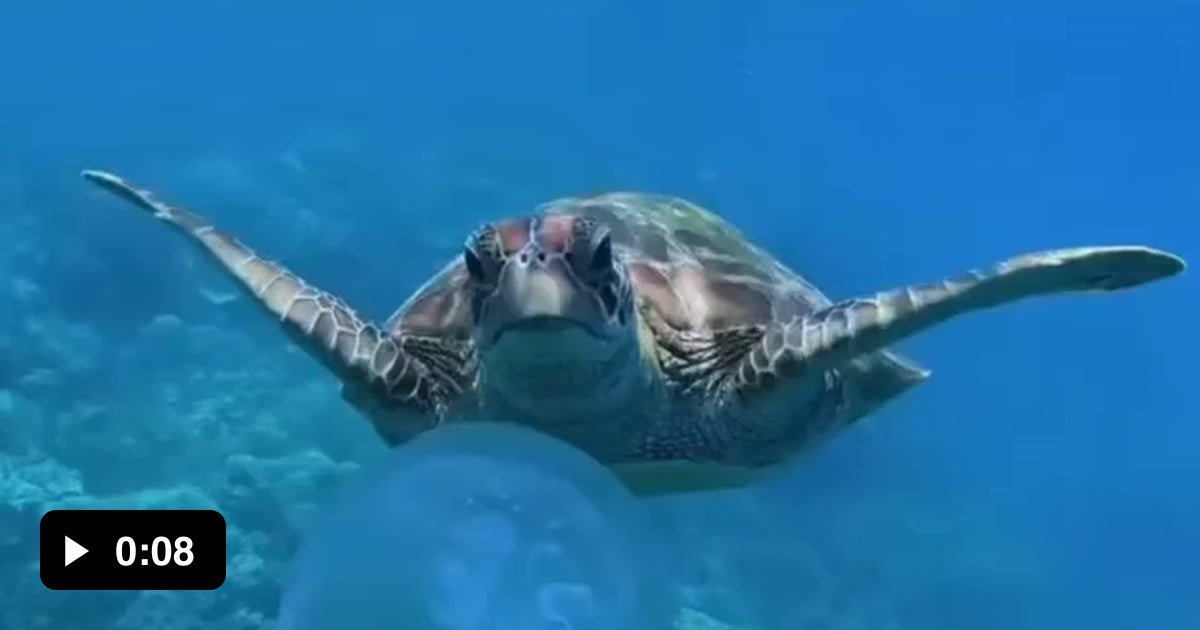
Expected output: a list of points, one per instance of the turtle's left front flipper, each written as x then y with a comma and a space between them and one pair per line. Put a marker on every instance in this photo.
403, 382
832, 336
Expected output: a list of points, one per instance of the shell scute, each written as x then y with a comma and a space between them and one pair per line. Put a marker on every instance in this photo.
656, 288
440, 308
697, 270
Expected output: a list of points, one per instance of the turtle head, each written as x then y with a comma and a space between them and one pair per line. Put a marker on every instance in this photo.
553, 310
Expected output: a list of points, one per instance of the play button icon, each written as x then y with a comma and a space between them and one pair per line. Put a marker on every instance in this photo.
72, 550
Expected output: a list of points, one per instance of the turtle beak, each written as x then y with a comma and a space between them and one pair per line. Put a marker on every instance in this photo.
541, 295
537, 293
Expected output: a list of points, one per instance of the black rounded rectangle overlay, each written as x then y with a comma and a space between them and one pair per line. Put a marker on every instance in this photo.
133, 549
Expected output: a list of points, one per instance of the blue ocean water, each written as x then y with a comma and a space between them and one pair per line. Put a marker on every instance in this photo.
1044, 478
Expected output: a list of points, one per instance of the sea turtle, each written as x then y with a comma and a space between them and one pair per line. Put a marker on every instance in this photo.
640, 328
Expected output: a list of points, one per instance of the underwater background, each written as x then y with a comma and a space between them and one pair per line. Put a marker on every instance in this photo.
1044, 478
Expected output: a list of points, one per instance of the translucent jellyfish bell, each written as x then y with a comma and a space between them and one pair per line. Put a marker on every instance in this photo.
481, 526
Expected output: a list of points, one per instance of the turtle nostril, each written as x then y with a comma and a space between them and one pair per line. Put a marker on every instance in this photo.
541, 256
524, 258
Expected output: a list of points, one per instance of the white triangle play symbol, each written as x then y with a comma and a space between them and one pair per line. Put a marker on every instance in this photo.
73, 550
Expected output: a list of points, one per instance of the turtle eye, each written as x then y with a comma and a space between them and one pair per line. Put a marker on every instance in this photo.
474, 266
602, 256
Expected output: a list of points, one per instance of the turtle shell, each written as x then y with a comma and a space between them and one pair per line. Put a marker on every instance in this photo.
696, 270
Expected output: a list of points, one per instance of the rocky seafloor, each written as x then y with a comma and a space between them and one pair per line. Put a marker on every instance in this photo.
131, 377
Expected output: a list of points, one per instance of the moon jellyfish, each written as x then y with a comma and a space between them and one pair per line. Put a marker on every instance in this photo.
481, 526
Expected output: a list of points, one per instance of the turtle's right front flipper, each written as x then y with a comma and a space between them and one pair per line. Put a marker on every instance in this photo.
404, 383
